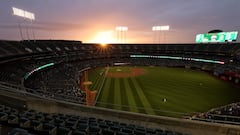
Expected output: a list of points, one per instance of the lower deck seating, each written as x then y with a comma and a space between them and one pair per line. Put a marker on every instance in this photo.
30, 122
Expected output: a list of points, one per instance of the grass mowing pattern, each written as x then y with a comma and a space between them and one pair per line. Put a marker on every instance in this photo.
186, 91
96, 77
124, 95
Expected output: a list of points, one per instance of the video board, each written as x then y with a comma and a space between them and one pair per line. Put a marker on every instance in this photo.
217, 37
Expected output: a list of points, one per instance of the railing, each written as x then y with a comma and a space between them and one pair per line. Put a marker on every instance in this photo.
224, 119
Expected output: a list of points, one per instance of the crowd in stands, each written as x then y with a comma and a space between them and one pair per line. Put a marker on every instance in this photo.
31, 122
60, 82
225, 114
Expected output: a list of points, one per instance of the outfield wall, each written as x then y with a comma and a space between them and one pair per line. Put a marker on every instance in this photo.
181, 125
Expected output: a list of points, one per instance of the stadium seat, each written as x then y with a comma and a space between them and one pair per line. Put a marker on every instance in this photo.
70, 124
130, 126
34, 124
82, 127
63, 131
83, 121
13, 120
93, 129
48, 119
150, 131
18, 131
107, 132
59, 122
29, 115
127, 130
122, 125
24, 122
46, 128
140, 128
78, 132
102, 125
121, 133
160, 132
115, 128
139, 132
168, 132
3, 117
7, 110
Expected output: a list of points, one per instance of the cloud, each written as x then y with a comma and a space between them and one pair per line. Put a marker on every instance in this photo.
90, 16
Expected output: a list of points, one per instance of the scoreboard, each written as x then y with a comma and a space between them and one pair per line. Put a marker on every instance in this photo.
217, 37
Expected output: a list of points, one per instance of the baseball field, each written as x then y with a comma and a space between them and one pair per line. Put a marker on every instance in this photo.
165, 91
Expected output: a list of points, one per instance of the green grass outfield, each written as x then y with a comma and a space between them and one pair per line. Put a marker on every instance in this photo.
186, 91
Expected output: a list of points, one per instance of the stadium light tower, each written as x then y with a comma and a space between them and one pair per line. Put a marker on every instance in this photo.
121, 34
156, 32
26, 16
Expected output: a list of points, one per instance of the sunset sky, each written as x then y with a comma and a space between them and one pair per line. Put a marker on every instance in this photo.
89, 20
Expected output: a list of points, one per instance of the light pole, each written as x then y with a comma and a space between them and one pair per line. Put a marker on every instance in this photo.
121, 34
156, 33
26, 16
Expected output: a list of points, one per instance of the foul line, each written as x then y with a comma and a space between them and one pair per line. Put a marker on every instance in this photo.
100, 89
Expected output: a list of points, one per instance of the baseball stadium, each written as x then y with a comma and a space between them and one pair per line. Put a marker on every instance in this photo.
151, 85
59, 78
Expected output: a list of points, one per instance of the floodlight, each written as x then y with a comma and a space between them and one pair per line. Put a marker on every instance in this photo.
29, 15
160, 28
26, 16
124, 28
18, 12
157, 30
118, 28
164, 27
23, 13
121, 33
121, 28
153, 28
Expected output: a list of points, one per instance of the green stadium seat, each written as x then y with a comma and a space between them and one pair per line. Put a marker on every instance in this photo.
82, 127
127, 130
39, 116
18, 131
83, 121
70, 124
140, 128
24, 122
48, 119
78, 132
46, 128
3, 117
107, 132
93, 129
59, 122
139, 132
115, 128
13, 120
150, 131
121, 133
34, 124
7, 110
103, 125
63, 131
122, 125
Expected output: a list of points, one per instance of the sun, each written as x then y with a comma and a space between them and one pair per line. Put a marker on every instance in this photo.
104, 38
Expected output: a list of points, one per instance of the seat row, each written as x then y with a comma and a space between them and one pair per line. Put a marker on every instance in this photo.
39, 123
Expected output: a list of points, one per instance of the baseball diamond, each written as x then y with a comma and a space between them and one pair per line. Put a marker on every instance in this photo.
161, 90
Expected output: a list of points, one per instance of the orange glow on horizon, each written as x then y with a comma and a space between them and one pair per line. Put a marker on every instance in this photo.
104, 38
